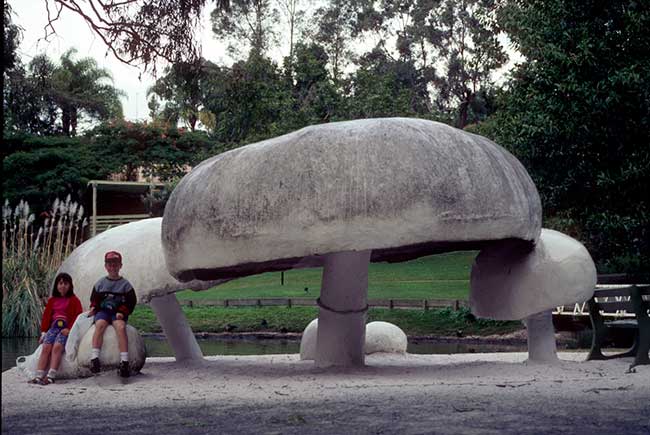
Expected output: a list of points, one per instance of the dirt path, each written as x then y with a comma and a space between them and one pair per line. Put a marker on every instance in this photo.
412, 394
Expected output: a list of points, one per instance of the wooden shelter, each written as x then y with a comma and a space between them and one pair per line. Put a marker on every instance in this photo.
118, 202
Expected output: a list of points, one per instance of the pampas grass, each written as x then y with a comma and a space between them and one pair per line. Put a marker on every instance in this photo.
30, 259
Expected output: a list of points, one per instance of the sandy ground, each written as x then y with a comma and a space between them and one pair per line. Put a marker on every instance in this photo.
494, 393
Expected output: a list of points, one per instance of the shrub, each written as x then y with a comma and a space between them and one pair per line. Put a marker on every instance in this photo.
30, 260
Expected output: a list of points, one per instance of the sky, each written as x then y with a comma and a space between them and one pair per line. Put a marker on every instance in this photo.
72, 31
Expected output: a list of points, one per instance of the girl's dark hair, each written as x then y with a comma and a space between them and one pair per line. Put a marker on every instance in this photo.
67, 278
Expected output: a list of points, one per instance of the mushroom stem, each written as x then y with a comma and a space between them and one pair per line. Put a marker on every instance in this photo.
176, 328
342, 316
541, 337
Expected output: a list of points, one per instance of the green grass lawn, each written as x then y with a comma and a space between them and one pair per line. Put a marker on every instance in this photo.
442, 322
444, 276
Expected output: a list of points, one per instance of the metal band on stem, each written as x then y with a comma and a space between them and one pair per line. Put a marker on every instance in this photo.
322, 305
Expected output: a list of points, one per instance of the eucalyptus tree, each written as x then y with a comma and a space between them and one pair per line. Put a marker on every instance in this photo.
452, 44
465, 37
315, 97
295, 13
140, 32
11, 39
248, 25
335, 31
382, 86
178, 95
250, 101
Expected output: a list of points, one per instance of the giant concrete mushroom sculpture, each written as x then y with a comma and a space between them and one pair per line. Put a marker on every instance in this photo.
512, 281
144, 266
341, 195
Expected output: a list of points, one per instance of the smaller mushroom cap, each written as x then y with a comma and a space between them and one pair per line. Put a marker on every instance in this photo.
510, 282
142, 257
380, 337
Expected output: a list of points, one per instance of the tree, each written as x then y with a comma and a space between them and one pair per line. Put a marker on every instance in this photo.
577, 113
464, 34
181, 92
451, 44
79, 89
335, 31
30, 106
385, 87
140, 32
50, 98
249, 101
162, 151
40, 169
248, 22
11, 39
315, 97
295, 16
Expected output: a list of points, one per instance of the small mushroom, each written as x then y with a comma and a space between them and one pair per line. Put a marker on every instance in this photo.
341, 195
513, 281
380, 337
144, 267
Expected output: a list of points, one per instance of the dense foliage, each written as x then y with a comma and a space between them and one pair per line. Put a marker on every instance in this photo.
577, 114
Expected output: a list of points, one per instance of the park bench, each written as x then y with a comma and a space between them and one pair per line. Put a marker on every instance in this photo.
605, 308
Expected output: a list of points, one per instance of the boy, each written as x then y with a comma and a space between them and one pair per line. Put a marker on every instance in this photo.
111, 302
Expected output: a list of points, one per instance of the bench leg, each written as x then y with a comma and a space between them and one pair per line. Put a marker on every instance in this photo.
642, 343
599, 332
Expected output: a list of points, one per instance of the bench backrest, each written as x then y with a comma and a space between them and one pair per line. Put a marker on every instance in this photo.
630, 298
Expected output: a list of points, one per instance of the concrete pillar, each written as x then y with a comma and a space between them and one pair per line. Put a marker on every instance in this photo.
541, 337
343, 309
176, 328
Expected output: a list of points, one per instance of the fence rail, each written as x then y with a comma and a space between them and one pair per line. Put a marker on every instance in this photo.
578, 309
424, 304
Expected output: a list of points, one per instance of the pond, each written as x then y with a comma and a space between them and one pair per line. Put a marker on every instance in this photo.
12, 348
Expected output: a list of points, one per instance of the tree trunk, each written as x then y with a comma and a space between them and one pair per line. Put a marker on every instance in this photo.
65, 120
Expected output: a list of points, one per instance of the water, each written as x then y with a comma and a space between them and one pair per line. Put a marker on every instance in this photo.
15, 347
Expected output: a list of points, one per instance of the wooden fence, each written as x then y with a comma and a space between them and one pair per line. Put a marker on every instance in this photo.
424, 304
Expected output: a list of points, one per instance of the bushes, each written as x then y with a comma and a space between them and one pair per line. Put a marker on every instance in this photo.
30, 260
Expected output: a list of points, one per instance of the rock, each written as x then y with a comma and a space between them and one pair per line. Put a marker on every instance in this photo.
109, 355
308, 341
385, 337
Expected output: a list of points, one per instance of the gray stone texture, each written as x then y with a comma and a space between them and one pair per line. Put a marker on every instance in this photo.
402, 188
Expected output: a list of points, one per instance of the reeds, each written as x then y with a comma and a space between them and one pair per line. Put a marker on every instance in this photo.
30, 259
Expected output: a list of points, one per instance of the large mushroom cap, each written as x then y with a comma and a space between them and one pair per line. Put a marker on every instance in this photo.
142, 258
510, 282
400, 187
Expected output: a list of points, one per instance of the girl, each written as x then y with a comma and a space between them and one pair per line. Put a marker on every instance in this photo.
61, 311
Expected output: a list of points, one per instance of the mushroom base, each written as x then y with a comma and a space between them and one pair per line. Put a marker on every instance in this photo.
176, 328
342, 316
541, 337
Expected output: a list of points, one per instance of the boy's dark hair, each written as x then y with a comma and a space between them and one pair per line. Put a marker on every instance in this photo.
65, 277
